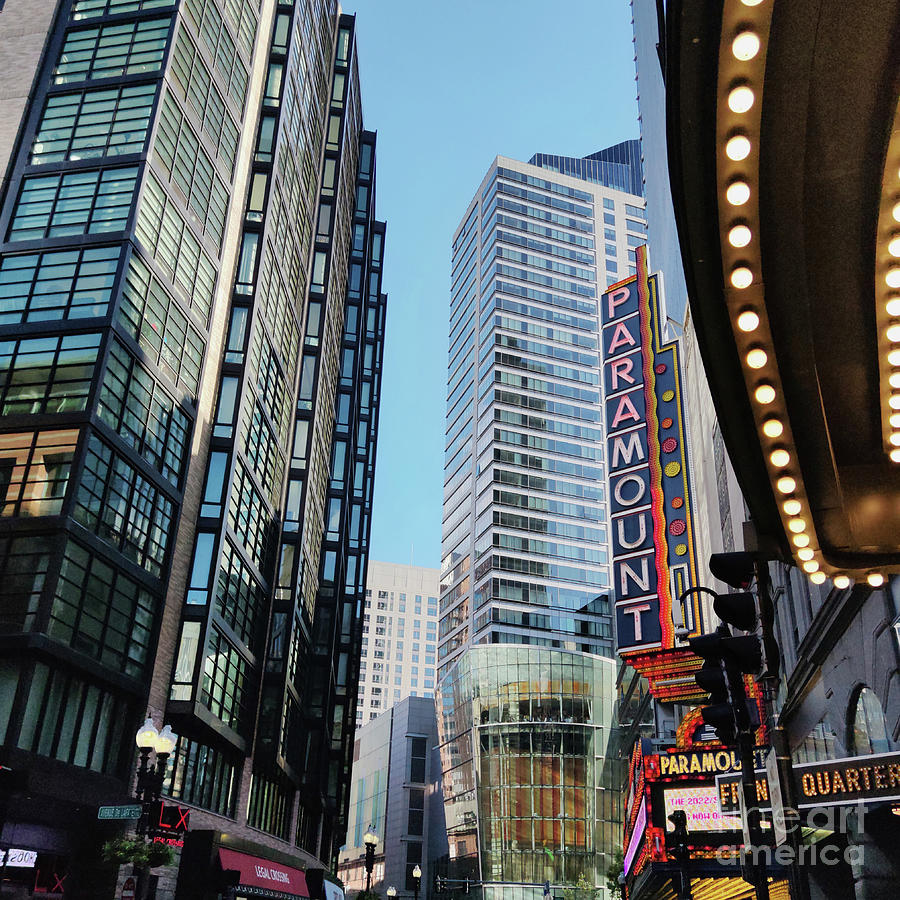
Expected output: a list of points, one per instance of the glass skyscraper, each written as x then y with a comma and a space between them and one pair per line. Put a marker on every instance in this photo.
525, 557
191, 324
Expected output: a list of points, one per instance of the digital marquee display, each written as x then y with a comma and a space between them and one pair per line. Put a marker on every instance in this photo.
701, 807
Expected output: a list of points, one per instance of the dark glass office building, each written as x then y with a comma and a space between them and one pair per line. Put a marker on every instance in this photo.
191, 329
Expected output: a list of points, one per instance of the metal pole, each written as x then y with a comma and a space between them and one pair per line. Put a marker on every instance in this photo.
758, 877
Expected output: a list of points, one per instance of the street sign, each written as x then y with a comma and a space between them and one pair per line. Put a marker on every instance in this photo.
128, 888
119, 812
775, 796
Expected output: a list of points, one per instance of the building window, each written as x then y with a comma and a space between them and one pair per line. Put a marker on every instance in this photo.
417, 751
209, 24
225, 687
34, 471
74, 203
416, 811
867, 726
123, 508
239, 597
89, 9
59, 284
136, 406
102, 613
270, 806
73, 721
48, 374
113, 50
413, 859
200, 775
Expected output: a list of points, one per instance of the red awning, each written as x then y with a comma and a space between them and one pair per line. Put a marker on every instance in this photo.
265, 874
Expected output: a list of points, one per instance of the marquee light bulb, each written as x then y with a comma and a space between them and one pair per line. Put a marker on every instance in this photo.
773, 427
745, 46
811, 566
806, 553
797, 525
748, 320
841, 582
895, 439
742, 277
765, 393
875, 579
740, 236
751, 2
894, 380
894, 401
737, 193
893, 333
894, 420
780, 458
738, 147
741, 99
895, 455
892, 307
757, 358
895, 212
817, 578
892, 278
893, 357
894, 246
801, 540
792, 507
786, 485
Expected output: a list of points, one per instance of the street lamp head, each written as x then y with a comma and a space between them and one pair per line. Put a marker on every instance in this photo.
417, 872
146, 736
165, 741
370, 838
392, 891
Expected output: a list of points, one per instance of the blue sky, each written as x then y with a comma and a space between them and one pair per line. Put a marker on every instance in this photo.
448, 85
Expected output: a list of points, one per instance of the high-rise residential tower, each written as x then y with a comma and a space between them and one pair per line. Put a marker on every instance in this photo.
191, 324
530, 792
399, 637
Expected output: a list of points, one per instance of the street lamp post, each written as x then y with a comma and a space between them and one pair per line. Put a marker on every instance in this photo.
370, 839
417, 878
150, 778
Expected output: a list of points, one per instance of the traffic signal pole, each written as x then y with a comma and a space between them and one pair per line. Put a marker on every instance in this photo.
755, 873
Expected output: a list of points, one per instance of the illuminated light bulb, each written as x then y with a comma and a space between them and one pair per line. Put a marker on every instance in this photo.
841, 582
797, 525
806, 553
740, 236
800, 540
895, 455
817, 578
773, 427
895, 439
741, 99
792, 507
780, 458
745, 46
895, 212
811, 566
742, 277
786, 484
892, 278
893, 358
765, 393
757, 358
737, 193
751, 2
875, 579
892, 307
738, 147
894, 380
748, 320
894, 246
894, 401
894, 420
893, 333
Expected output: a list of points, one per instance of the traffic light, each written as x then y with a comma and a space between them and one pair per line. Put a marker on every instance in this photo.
746, 611
726, 659
678, 839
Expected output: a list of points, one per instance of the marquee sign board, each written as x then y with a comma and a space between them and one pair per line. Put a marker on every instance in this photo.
653, 554
834, 782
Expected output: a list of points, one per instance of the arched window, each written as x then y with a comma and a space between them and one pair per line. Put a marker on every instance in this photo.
868, 730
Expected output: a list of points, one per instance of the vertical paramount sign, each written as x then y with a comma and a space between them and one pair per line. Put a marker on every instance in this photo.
649, 501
